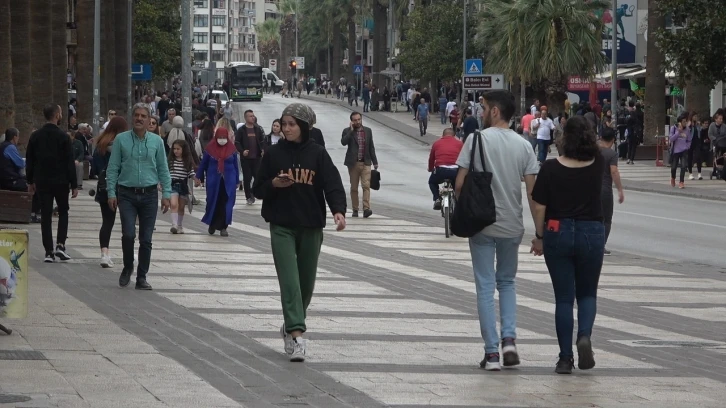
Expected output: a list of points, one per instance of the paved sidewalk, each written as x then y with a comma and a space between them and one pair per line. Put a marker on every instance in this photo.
644, 176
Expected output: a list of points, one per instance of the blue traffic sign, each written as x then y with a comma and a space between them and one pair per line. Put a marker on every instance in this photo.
141, 72
357, 69
474, 67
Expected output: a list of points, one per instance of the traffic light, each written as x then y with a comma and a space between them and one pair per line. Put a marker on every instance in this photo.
293, 65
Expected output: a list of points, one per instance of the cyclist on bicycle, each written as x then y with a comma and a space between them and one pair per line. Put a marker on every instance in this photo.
442, 163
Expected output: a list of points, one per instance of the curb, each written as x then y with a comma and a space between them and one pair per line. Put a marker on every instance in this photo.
386, 122
673, 192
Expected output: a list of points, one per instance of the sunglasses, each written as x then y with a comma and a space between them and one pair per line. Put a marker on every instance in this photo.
153, 123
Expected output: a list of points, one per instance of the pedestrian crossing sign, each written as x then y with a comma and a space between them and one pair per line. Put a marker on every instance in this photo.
358, 69
473, 67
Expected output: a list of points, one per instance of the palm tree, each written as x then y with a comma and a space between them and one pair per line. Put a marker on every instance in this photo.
84, 60
59, 18
543, 42
20, 54
654, 79
7, 113
41, 46
268, 39
288, 9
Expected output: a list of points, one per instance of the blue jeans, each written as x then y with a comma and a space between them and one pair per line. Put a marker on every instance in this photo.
144, 206
438, 176
574, 259
443, 116
486, 275
542, 146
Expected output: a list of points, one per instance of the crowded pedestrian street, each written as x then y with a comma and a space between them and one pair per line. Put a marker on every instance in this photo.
393, 321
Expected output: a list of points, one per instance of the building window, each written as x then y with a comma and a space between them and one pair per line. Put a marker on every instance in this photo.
200, 56
218, 55
218, 4
218, 21
218, 38
201, 21
200, 3
199, 38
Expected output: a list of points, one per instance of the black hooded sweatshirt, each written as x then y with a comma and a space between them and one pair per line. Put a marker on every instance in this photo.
317, 180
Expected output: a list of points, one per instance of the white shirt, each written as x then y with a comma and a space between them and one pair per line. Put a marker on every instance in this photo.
533, 109
544, 126
450, 107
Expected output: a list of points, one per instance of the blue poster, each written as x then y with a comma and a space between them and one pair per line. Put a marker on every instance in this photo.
626, 20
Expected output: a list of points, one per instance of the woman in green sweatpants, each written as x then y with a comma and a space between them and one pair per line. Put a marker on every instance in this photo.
295, 179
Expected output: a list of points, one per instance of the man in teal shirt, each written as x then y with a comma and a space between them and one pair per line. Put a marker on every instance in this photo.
137, 166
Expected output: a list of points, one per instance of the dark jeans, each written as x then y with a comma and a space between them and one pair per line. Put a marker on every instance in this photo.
438, 176
249, 170
144, 206
633, 143
574, 259
366, 105
675, 159
696, 157
46, 196
607, 211
109, 218
542, 149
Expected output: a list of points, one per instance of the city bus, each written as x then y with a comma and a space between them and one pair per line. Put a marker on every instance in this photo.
243, 81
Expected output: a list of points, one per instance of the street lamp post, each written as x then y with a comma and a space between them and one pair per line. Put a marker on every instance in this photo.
129, 50
186, 62
463, 62
614, 63
97, 67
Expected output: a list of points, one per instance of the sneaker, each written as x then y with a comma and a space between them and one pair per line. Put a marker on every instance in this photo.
367, 213
565, 365
287, 339
60, 252
585, 356
681, 185
298, 350
491, 362
250, 201
180, 230
606, 253
700, 177
355, 214
224, 233
49, 258
34, 219
509, 352
673, 182
125, 278
690, 177
174, 229
437, 205
142, 284
106, 261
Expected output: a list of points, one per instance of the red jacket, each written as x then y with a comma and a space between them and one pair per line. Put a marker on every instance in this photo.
444, 152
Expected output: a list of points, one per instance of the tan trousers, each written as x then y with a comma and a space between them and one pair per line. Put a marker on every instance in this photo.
360, 172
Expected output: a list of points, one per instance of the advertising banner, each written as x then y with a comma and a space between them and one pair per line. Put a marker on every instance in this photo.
13, 273
626, 20
577, 84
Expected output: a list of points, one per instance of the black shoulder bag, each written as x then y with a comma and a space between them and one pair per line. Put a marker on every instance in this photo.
475, 207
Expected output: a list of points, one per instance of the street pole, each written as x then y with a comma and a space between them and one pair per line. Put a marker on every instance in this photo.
614, 67
463, 62
129, 50
186, 63
362, 29
97, 67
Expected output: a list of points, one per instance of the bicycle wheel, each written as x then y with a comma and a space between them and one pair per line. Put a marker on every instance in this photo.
447, 220
450, 209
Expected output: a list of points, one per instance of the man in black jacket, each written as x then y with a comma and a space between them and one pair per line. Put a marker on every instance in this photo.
359, 157
51, 171
249, 140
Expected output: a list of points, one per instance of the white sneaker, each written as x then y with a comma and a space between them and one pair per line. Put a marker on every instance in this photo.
691, 177
180, 230
106, 261
298, 350
174, 229
287, 339
700, 177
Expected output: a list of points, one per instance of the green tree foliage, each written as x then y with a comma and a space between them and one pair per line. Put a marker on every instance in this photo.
695, 51
157, 35
432, 48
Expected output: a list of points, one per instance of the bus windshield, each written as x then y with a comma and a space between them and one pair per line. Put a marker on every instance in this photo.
246, 76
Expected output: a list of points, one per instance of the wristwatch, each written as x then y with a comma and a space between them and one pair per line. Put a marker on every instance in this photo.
536, 235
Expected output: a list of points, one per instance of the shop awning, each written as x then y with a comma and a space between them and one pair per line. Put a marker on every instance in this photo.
621, 72
635, 74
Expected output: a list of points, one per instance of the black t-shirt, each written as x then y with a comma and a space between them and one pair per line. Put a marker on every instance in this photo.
570, 192
469, 125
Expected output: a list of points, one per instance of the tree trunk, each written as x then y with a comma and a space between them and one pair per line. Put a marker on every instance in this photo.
655, 80
41, 46
351, 45
59, 17
380, 44
516, 90
84, 60
698, 97
20, 54
7, 113
108, 58
122, 69
337, 54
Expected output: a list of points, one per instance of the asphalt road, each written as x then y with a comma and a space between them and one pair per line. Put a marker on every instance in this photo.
658, 226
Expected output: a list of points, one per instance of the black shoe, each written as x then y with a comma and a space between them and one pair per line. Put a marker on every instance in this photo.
437, 205
606, 253
367, 213
142, 284
509, 351
125, 278
565, 365
49, 258
355, 214
34, 219
224, 233
585, 356
211, 230
60, 252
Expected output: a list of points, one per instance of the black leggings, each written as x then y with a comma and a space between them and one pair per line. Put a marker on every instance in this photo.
697, 155
249, 171
109, 218
675, 159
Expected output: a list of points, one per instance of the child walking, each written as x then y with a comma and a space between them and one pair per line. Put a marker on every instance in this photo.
295, 179
181, 167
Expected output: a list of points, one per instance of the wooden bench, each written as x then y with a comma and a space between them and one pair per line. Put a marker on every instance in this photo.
15, 206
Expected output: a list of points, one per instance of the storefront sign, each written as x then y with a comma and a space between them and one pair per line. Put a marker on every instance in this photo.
579, 84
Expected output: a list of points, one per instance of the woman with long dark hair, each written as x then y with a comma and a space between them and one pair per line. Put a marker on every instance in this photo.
101, 156
570, 233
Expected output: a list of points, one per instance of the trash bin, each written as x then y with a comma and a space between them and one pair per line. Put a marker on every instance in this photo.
14, 273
